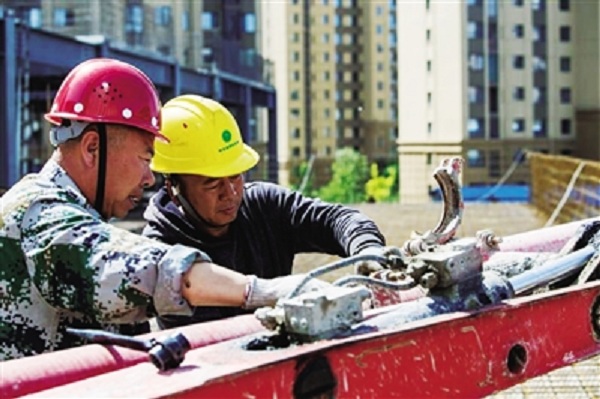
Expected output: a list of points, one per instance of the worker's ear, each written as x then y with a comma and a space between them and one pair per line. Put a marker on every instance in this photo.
172, 190
89, 147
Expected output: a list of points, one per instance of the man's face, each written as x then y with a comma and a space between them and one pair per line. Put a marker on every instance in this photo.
127, 169
216, 200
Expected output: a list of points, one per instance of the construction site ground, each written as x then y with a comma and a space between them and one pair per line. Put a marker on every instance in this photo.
397, 221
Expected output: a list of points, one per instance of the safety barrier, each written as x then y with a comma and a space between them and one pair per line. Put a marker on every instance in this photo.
563, 188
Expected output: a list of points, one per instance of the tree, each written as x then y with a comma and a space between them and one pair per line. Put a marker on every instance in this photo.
350, 172
380, 188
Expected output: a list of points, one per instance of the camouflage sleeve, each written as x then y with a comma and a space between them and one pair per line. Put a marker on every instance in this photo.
82, 264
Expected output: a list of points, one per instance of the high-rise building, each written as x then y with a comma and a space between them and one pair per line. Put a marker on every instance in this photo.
335, 75
218, 37
196, 33
485, 80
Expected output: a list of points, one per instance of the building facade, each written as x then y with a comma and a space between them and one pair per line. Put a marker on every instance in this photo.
216, 36
488, 80
335, 74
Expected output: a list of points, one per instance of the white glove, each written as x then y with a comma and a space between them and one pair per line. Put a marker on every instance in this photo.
266, 292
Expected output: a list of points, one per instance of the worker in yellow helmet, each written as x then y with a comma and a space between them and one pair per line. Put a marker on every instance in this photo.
254, 228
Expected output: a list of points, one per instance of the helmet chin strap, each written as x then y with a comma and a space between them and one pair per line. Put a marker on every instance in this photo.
101, 183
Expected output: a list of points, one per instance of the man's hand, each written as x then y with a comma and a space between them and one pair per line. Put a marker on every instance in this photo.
266, 292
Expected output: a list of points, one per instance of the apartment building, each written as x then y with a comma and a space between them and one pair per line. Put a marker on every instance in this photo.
335, 74
216, 36
196, 33
486, 80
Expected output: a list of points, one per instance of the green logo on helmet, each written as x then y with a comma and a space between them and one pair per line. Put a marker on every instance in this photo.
226, 136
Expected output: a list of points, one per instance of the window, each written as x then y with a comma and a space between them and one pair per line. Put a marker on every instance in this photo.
519, 93
474, 30
518, 62
565, 95
518, 125
565, 34
566, 152
428, 34
539, 128
539, 33
539, 95
209, 20
325, 19
249, 23
518, 3
34, 17
296, 152
493, 68
563, 5
475, 128
539, 63
494, 165
164, 49
565, 64
162, 16
475, 94
538, 5
64, 17
428, 65
475, 158
492, 8
565, 126
476, 61
519, 31
185, 21
134, 19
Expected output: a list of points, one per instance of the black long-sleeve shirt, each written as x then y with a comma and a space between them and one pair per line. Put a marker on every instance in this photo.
273, 225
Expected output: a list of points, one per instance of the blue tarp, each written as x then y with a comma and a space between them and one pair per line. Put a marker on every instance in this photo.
504, 193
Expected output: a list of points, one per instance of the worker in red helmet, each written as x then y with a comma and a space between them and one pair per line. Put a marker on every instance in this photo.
63, 265
253, 228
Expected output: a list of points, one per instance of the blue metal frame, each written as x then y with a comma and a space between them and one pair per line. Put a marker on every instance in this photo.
9, 139
52, 56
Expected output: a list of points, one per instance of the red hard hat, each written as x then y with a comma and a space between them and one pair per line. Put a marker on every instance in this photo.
108, 91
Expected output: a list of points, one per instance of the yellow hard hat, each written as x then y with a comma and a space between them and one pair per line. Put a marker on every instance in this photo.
204, 140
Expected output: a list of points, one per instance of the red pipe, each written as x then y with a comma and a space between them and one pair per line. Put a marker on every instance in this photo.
36, 373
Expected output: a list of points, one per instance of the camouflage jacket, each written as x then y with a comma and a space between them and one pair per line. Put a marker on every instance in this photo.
62, 266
